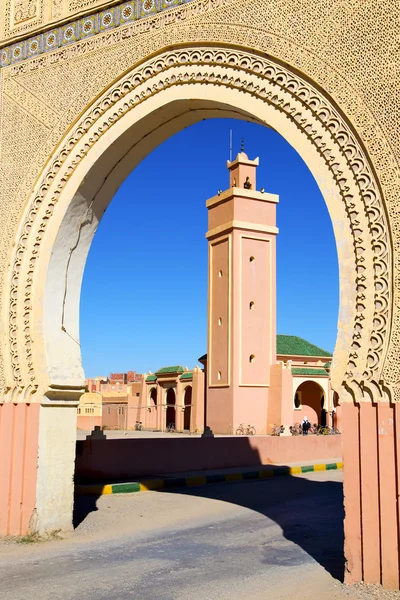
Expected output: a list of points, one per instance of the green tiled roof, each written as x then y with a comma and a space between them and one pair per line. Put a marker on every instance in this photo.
327, 365
187, 375
151, 378
292, 345
306, 371
166, 370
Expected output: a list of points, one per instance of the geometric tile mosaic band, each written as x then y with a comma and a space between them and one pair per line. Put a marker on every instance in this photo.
98, 22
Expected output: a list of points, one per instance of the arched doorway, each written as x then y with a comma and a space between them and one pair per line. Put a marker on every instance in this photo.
188, 407
170, 416
309, 401
132, 109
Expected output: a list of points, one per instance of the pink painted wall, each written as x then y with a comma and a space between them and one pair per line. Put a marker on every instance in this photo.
123, 459
19, 429
280, 396
371, 446
88, 422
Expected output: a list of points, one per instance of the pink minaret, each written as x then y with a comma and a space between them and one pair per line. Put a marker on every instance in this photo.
242, 300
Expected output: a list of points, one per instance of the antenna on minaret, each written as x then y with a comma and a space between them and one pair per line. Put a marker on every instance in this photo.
230, 146
242, 145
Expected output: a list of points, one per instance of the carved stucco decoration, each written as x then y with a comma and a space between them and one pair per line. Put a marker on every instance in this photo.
310, 37
308, 110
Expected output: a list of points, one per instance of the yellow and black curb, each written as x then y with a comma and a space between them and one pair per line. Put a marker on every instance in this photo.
178, 482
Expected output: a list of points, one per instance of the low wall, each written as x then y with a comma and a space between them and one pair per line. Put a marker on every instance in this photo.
87, 422
120, 459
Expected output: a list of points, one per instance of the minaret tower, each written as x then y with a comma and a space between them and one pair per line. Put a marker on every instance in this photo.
241, 301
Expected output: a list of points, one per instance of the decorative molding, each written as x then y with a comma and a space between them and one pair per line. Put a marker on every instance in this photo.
308, 110
85, 28
24, 10
22, 15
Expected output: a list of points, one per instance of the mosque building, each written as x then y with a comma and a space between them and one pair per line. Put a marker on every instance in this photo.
250, 374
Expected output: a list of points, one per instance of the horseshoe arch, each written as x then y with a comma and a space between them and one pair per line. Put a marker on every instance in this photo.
163, 92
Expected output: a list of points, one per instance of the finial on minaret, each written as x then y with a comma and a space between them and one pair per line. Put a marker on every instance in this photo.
243, 171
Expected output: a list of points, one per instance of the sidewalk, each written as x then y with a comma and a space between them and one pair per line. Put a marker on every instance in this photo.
199, 478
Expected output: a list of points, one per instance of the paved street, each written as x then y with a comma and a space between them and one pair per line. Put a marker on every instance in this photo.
280, 539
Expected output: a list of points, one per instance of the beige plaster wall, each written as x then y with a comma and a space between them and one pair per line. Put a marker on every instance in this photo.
76, 120
42, 120
55, 469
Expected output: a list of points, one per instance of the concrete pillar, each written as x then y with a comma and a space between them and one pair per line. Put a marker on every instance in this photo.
37, 449
280, 401
371, 446
179, 405
197, 416
160, 408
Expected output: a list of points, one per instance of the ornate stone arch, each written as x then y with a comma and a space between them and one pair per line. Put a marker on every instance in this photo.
215, 79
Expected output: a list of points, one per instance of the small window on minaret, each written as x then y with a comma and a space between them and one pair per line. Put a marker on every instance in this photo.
247, 184
251, 305
220, 274
251, 258
219, 375
220, 321
251, 358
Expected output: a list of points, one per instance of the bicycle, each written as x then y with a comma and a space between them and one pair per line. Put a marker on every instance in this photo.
138, 426
245, 430
296, 429
324, 430
277, 429
170, 428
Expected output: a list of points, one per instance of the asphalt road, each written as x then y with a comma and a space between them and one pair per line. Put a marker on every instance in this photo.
280, 539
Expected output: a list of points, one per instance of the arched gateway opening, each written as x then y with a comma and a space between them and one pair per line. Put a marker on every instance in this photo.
188, 408
170, 415
309, 401
147, 104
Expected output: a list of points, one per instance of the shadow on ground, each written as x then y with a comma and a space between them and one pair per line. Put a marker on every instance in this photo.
309, 512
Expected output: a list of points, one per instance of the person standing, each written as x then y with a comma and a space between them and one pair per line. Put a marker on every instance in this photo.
305, 426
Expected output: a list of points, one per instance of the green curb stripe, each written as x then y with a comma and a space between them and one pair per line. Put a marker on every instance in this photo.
125, 488
332, 466
251, 475
177, 482
307, 469
215, 479
281, 471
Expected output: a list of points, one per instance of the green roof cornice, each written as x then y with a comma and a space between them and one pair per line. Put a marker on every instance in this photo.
170, 370
151, 378
187, 375
292, 345
308, 372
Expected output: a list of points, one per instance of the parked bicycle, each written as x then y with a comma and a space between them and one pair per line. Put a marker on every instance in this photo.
170, 428
138, 426
277, 429
324, 430
245, 430
296, 429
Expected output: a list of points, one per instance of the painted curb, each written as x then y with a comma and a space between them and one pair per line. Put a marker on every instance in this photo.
148, 485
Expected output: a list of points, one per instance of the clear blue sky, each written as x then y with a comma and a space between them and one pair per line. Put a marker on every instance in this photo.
144, 293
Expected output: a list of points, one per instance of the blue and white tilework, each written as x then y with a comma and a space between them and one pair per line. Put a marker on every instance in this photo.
85, 27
